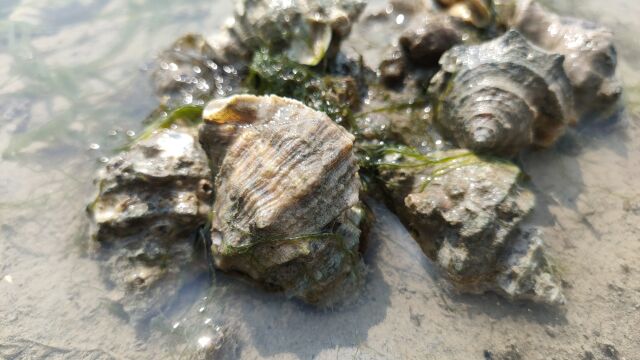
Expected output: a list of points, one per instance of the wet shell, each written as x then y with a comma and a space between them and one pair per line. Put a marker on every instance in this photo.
286, 187
478, 13
190, 72
303, 29
469, 214
590, 55
502, 96
151, 200
427, 43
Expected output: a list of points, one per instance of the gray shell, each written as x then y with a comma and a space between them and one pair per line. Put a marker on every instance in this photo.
190, 71
502, 96
286, 211
303, 29
151, 200
469, 215
590, 55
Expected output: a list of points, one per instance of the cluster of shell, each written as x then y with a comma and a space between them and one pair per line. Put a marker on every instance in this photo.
306, 30
524, 88
275, 184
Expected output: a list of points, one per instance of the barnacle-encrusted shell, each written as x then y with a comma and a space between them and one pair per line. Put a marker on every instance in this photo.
286, 211
467, 214
590, 56
303, 29
502, 96
152, 198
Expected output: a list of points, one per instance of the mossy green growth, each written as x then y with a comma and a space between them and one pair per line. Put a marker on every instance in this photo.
337, 96
432, 165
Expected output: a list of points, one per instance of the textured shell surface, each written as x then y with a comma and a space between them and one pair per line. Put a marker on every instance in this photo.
287, 175
467, 214
190, 71
171, 160
303, 29
590, 55
502, 96
151, 200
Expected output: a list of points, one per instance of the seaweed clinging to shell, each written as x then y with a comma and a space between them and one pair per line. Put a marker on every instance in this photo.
590, 55
469, 214
287, 211
502, 96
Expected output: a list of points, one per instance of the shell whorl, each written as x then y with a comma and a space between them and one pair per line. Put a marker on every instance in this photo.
591, 57
502, 96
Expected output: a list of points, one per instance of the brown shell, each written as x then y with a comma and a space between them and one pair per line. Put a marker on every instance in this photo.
287, 175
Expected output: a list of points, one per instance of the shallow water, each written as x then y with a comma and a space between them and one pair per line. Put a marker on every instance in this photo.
74, 88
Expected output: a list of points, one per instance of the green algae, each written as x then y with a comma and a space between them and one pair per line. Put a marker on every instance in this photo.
336, 96
378, 159
187, 115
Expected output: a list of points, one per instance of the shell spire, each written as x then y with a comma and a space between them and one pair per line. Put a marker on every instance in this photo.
502, 96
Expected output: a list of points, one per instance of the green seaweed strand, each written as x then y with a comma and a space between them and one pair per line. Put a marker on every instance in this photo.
190, 115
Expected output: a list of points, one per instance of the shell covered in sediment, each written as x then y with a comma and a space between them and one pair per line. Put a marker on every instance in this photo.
502, 96
590, 55
303, 29
469, 214
287, 183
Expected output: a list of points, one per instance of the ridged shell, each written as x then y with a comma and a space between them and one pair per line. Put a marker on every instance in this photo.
590, 55
287, 176
502, 96
151, 200
469, 214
